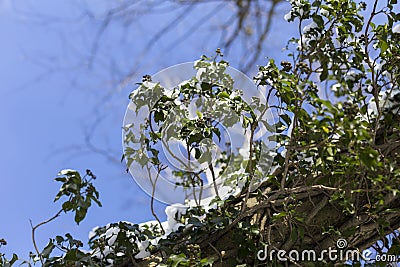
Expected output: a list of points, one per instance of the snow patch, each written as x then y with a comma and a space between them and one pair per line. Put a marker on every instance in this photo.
66, 171
396, 28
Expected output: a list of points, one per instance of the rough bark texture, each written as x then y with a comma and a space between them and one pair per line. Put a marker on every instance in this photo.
319, 212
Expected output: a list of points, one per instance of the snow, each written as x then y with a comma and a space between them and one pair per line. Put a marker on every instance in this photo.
288, 16
378, 66
324, 12
387, 103
301, 12
200, 73
174, 213
308, 28
336, 87
149, 85
350, 76
261, 75
66, 171
310, 33
296, 11
174, 221
396, 28
92, 233
143, 253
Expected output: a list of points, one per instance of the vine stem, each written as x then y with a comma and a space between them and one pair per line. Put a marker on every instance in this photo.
153, 184
244, 204
36, 227
253, 128
211, 167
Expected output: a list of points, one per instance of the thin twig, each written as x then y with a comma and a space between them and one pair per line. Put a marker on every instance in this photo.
211, 167
216, 250
33, 233
159, 169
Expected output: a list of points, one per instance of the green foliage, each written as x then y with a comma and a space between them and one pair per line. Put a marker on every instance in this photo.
79, 191
337, 100
191, 258
3, 260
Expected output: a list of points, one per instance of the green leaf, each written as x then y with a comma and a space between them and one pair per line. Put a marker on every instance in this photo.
383, 45
206, 262
13, 259
67, 206
217, 132
59, 239
197, 153
269, 127
48, 249
286, 119
318, 20
158, 116
80, 215
324, 74
195, 221
223, 95
177, 259
369, 157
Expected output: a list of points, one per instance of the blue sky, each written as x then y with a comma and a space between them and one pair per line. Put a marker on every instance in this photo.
52, 98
